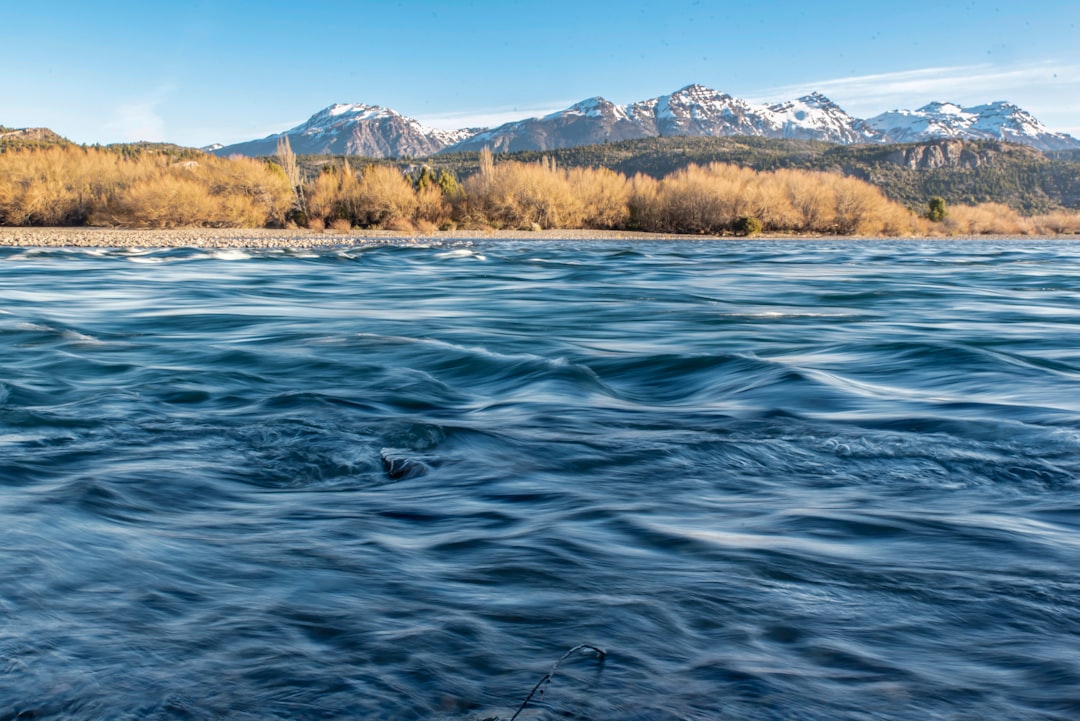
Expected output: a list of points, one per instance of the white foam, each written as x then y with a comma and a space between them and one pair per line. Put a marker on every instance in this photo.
456, 253
82, 338
230, 254
461, 253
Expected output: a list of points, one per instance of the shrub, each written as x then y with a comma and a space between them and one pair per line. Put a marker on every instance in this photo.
383, 196
1059, 223
747, 225
986, 219
69, 185
520, 195
432, 206
332, 196
644, 203
449, 186
936, 209
604, 196
810, 199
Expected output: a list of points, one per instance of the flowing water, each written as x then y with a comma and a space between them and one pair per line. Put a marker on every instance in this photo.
772, 480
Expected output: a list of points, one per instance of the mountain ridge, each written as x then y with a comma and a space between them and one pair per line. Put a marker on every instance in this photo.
694, 110
354, 129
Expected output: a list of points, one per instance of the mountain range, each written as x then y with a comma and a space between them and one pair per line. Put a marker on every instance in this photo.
377, 132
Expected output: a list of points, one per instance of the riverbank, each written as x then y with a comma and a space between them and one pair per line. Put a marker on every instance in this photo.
283, 238
248, 238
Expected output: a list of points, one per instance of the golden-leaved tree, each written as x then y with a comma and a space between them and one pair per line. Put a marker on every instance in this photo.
76, 186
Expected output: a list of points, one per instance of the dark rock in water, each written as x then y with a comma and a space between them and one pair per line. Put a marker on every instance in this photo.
398, 466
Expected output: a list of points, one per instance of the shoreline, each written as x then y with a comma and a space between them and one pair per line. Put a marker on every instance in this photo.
262, 238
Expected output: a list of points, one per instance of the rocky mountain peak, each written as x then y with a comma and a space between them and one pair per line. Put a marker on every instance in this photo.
594, 107
939, 108
998, 120
818, 100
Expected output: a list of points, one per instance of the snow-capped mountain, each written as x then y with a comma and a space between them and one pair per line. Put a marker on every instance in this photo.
378, 132
355, 129
693, 110
591, 121
698, 110
993, 121
815, 117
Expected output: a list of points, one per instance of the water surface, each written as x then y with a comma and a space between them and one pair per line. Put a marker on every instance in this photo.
773, 480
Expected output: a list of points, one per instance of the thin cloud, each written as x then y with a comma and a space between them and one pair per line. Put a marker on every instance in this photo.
203, 135
258, 132
136, 121
489, 118
139, 120
1043, 85
1048, 90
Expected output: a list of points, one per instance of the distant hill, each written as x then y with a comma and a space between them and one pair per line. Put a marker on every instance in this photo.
20, 138
29, 137
144, 147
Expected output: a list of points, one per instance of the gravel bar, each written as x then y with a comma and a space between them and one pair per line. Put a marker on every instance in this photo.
263, 238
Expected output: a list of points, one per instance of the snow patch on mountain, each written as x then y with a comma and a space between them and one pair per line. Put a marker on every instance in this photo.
815, 117
595, 107
993, 121
356, 129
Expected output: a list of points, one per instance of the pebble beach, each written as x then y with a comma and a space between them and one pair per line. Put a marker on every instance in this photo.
245, 238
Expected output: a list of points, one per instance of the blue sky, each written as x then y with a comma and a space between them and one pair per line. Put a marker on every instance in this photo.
200, 72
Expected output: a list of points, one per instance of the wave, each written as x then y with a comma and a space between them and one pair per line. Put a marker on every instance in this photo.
396, 480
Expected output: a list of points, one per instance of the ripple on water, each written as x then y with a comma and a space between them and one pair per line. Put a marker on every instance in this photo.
814, 480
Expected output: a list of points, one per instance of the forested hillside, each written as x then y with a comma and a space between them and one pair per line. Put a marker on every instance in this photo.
961, 172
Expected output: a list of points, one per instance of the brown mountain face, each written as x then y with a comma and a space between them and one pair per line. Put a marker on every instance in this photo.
388, 137
955, 154
589, 122
365, 130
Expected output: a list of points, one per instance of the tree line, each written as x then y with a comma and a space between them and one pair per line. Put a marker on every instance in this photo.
70, 185
988, 171
151, 187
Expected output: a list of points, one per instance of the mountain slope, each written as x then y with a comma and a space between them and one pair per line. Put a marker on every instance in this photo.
700, 111
815, 117
694, 111
591, 121
354, 129
993, 121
